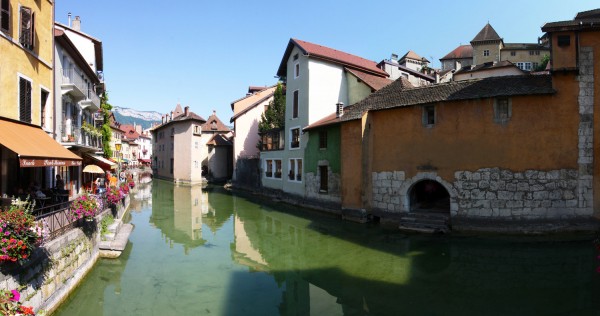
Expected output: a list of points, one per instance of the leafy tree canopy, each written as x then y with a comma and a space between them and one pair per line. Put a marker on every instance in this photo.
274, 116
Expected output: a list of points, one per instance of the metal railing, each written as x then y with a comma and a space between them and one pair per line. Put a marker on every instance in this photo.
55, 219
72, 76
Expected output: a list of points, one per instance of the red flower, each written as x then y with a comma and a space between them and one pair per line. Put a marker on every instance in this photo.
27, 310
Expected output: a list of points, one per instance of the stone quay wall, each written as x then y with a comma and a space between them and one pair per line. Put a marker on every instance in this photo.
56, 268
494, 193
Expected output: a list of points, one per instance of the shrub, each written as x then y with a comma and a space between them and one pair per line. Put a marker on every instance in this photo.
85, 206
19, 234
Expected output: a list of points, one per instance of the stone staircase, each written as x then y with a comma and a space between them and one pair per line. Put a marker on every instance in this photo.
115, 240
425, 222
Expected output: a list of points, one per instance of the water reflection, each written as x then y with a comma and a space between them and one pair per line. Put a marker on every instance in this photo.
206, 252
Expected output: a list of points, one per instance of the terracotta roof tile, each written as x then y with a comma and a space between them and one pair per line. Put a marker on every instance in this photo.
395, 95
413, 55
251, 100
219, 140
462, 51
330, 119
214, 124
374, 82
331, 55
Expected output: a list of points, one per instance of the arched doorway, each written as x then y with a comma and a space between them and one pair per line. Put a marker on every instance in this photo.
429, 196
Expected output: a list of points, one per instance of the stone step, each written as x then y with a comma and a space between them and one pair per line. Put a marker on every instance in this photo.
422, 222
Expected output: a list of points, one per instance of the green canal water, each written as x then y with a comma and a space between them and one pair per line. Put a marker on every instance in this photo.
207, 252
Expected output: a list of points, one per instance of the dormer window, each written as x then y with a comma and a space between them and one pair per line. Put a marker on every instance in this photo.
213, 125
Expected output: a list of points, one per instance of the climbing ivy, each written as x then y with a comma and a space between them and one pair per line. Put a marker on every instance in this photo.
106, 108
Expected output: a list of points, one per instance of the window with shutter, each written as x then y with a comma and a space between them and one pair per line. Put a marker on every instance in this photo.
43, 100
5, 15
24, 100
295, 105
27, 20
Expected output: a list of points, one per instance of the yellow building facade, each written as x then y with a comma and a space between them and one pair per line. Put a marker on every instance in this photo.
26, 41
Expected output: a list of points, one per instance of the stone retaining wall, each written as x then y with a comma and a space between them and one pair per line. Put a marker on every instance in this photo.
494, 193
312, 182
56, 268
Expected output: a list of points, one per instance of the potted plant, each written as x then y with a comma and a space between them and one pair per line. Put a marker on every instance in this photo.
19, 234
85, 206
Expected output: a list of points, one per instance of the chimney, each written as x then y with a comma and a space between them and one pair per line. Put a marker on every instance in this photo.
394, 58
171, 118
76, 24
339, 109
162, 119
214, 113
437, 77
69, 23
186, 110
457, 65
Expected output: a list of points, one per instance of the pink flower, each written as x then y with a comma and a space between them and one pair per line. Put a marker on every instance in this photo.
16, 295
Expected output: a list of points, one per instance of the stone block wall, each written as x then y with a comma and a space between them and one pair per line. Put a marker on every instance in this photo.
494, 193
498, 193
53, 271
312, 182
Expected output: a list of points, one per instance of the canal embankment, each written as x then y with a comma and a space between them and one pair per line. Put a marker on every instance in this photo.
560, 228
58, 266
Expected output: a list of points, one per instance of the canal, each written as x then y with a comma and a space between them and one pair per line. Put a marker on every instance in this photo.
207, 252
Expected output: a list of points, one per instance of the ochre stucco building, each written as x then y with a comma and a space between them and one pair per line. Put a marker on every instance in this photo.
512, 148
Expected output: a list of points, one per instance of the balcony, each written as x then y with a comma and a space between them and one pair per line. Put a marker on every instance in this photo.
73, 84
81, 137
91, 101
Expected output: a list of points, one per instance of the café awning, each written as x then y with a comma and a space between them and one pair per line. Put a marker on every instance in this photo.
103, 162
33, 146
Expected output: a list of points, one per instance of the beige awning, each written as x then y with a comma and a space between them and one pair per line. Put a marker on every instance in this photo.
33, 146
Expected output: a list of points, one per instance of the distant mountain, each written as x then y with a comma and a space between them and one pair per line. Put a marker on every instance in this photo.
129, 116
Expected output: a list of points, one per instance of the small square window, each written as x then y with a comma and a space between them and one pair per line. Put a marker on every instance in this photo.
428, 115
295, 57
486, 52
502, 110
564, 40
513, 53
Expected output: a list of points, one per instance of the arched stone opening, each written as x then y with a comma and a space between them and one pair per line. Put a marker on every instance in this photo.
429, 196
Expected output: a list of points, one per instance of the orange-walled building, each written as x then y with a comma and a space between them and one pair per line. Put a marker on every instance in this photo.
512, 148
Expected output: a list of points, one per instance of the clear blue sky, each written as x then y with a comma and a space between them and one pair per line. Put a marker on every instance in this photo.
205, 54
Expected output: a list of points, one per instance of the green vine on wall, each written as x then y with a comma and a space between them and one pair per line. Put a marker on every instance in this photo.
106, 108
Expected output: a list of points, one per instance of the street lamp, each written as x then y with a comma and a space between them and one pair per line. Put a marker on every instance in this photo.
118, 148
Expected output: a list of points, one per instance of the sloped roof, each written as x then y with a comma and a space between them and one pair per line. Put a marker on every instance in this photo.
178, 110
65, 42
412, 55
487, 66
395, 95
462, 51
524, 46
97, 45
180, 118
330, 55
130, 131
251, 100
590, 14
374, 82
330, 119
219, 140
406, 69
214, 124
487, 33
584, 20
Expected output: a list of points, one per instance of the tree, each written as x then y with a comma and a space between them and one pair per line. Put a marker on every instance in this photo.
274, 116
105, 108
543, 63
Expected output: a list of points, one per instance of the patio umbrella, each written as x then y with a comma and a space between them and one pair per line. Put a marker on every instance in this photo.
93, 169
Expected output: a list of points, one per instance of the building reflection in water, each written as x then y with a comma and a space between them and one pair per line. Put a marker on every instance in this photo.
177, 212
330, 268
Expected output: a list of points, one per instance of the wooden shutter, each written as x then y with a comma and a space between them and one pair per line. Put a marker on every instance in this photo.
24, 100
5, 15
26, 36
